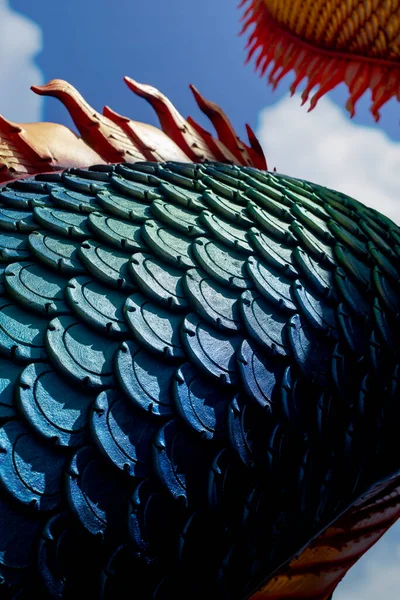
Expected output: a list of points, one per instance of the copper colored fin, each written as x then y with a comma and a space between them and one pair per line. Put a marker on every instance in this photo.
172, 122
40, 147
31, 148
152, 142
60, 147
13, 160
18, 133
317, 571
102, 134
255, 150
223, 126
220, 151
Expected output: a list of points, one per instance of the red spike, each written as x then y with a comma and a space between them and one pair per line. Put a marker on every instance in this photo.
269, 56
274, 50
246, 25
383, 91
261, 57
253, 38
284, 71
314, 77
247, 13
276, 70
357, 79
256, 46
299, 77
331, 83
264, 66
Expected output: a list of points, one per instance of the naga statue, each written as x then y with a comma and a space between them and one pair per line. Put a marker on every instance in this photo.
199, 358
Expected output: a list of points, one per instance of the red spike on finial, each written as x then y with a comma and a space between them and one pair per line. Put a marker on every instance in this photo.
330, 83
383, 92
357, 79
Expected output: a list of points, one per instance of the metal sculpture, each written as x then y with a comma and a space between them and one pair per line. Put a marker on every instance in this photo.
198, 365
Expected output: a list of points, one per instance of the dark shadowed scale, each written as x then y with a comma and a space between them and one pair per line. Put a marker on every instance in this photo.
199, 365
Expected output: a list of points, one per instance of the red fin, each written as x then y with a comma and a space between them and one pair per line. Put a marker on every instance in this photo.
317, 571
152, 143
172, 122
257, 153
31, 148
102, 134
23, 141
19, 155
226, 133
244, 155
220, 151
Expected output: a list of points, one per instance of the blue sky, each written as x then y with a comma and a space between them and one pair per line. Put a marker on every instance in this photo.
93, 44
169, 44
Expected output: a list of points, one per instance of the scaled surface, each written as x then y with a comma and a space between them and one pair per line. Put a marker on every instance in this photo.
198, 374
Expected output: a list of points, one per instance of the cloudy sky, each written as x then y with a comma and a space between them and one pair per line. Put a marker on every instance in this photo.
171, 44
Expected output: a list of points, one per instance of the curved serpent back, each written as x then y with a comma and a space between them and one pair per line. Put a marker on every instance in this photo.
199, 369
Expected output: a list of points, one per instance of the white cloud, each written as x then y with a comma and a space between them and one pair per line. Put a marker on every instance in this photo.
20, 42
377, 574
326, 147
